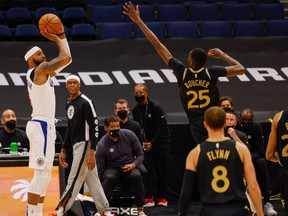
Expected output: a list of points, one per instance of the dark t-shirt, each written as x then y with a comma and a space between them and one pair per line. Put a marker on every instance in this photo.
198, 89
19, 136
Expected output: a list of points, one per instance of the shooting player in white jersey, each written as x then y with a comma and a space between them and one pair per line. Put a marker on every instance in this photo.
41, 128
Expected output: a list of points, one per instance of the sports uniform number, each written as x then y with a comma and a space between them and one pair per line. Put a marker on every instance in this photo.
220, 178
201, 95
285, 149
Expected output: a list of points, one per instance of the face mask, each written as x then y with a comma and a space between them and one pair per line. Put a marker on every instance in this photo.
139, 98
11, 124
122, 114
114, 133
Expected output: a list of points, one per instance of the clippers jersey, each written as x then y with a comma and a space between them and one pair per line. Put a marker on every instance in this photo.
42, 98
198, 89
220, 173
282, 138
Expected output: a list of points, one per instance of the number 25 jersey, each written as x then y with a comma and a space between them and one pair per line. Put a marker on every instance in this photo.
198, 89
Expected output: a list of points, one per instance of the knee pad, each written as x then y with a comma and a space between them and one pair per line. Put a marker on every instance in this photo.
40, 182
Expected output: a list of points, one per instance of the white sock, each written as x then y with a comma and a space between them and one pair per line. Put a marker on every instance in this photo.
60, 211
39, 208
31, 209
108, 213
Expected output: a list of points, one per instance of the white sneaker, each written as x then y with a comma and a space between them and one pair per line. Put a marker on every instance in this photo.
269, 209
142, 213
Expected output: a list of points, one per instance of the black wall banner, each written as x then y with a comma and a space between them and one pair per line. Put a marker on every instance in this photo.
109, 70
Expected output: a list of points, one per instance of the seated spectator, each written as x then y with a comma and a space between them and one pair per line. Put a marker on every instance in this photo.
10, 133
253, 130
119, 157
226, 103
122, 110
232, 132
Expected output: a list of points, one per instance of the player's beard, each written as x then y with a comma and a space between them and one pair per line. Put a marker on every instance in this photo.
36, 62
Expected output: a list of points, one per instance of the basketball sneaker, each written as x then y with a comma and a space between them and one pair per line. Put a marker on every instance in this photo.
162, 202
149, 202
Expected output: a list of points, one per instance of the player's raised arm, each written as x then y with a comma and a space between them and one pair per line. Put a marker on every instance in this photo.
134, 14
234, 68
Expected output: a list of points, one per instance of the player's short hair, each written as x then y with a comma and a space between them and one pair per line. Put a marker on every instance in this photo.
215, 117
109, 119
199, 57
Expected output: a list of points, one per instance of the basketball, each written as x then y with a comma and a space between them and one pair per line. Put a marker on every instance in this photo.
50, 23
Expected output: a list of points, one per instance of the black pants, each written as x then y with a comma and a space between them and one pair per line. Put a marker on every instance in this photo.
198, 131
262, 174
284, 187
134, 178
155, 181
225, 210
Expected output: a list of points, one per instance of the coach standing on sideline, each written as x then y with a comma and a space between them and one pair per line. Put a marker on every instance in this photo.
82, 132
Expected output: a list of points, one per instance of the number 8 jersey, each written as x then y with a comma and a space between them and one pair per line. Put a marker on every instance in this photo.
220, 173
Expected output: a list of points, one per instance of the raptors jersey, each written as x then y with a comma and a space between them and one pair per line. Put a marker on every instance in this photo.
42, 98
282, 138
220, 173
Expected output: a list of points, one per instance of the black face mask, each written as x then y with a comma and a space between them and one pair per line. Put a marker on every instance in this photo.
11, 125
122, 114
114, 133
139, 98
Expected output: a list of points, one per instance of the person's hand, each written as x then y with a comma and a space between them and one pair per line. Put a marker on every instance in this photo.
128, 167
62, 158
132, 12
91, 160
51, 37
215, 53
232, 133
148, 146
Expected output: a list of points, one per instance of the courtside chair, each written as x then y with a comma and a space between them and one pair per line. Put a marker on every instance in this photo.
43, 10
73, 15
157, 28
60, 5
204, 12
33, 5
18, 15
2, 17
114, 30
83, 32
234, 12
269, 11
277, 27
216, 29
147, 13
7, 4
171, 12
97, 2
27, 32
99, 14
249, 28
158, 2
5, 33
182, 29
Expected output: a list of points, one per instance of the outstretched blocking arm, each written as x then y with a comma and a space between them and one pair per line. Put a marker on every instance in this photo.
234, 68
134, 14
